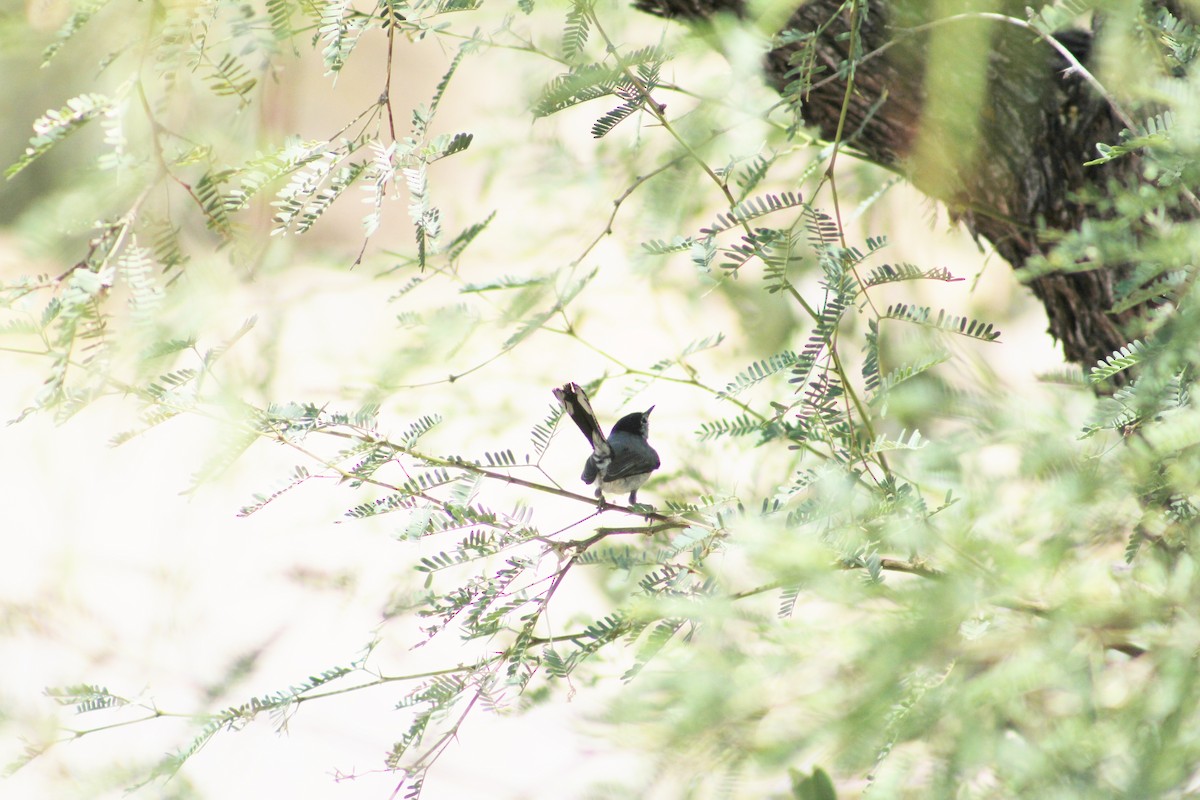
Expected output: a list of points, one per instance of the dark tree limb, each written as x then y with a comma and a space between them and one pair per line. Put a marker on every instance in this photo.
1031, 120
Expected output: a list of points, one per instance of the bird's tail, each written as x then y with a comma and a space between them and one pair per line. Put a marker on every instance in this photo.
575, 402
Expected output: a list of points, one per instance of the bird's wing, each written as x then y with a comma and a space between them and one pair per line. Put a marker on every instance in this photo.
631, 458
590, 470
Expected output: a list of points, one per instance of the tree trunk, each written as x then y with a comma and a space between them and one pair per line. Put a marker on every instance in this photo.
999, 132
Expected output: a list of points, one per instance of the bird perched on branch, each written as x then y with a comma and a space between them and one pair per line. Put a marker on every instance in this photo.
624, 459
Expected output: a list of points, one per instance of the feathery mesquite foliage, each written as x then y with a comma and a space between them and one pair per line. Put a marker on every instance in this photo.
918, 546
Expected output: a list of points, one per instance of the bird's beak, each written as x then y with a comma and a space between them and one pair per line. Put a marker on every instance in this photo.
647, 411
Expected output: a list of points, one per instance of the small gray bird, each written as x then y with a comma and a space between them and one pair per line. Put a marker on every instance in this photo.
624, 460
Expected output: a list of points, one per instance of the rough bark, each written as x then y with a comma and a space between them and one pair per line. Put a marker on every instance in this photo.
1037, 123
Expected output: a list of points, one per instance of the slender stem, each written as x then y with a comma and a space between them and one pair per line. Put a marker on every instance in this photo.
387, 86
459, 464
830, 177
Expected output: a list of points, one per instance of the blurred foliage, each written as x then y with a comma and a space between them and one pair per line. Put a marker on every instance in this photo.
938, 587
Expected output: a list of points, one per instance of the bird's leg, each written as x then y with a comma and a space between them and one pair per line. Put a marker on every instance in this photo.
633, 502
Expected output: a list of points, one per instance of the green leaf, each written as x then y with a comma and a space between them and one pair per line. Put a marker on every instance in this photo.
741, 425
340, 28
543, 431
657, 247
663, 632
760, 243
870, 367
702, 252
752, 175
57, 124
339, 182
787, 601
1120, 360
951, 323
706, 343
229, 449
575, 33
610, 120
757, 207
758, 372
907, 371
230, 76
903, 441
816, 786
1155, 132
504, 282
591, 81
84, 11
85, 697
279, 12
1173, 434
263, 170
1059, 14
136, 266
214, 203
583, 83
299, 475
422, 117
907, 272
1165, 286
534, 323
445, 146
459, 243
839, 298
